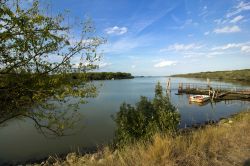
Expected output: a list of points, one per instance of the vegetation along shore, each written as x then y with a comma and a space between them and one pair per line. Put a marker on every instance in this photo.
232, 75
107, 75
225, 143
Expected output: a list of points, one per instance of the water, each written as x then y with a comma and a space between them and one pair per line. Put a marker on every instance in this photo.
20, 141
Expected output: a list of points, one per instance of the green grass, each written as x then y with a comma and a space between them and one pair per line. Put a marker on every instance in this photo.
233, 75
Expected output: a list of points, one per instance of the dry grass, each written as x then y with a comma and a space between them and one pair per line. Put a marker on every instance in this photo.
227, 143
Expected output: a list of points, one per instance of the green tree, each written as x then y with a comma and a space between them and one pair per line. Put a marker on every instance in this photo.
37, 52
145, 119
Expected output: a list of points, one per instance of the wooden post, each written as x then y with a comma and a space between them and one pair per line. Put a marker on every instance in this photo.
168, 89
180, 90
168, 84
208, 83
213, 95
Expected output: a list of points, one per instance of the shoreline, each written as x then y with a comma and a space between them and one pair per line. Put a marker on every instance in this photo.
239, 76
185, 131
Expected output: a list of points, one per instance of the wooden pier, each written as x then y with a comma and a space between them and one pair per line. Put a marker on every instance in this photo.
216, 92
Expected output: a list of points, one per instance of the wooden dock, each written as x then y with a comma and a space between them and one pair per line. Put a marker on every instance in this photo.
216, 92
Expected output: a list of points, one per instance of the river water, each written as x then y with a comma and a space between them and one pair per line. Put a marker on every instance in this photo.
20, 141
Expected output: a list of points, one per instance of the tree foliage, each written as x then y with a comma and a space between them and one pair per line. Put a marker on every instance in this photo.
146, 118
29, 40
242, 76
107, 75
37, 54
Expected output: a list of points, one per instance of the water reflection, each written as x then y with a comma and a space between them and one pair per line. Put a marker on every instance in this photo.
49, 122
52, 118
201, 103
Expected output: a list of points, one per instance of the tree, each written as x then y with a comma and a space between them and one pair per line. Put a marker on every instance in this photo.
36, 59
145, 119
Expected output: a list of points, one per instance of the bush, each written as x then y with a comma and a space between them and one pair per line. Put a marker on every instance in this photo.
145, 119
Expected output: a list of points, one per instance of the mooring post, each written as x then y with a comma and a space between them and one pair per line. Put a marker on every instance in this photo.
208, 83
180, 89
168, 84
213, 94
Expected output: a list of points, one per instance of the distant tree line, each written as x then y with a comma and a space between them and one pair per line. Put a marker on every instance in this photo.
233, 75
107, 75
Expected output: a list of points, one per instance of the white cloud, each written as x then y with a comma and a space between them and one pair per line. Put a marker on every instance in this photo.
176, 19
116, 30
192, 55
218, 21
237, 19
127, 44
120, 46
227, 46
165, 63
186, 23
244, 47
242, 6
213, 53
204, 11
208, 54
104, 64
133, 57
181, 47
206, 33
142, 23
133, 66
228, 29
222, 21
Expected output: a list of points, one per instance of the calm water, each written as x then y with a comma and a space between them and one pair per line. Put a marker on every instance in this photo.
20, 141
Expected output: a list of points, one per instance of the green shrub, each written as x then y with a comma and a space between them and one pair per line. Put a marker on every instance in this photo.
145, 119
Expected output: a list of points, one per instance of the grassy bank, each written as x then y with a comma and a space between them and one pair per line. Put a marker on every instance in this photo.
227, 143
233, 75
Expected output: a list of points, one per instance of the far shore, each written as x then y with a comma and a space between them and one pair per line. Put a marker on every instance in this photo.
242, 76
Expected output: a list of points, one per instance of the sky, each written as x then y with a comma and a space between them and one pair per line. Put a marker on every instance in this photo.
164, 37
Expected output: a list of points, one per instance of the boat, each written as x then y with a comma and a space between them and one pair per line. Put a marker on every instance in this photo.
199, 98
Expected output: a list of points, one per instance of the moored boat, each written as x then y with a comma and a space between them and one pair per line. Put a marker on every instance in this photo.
199, 98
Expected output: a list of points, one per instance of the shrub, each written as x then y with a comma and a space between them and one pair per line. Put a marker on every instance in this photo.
146, 118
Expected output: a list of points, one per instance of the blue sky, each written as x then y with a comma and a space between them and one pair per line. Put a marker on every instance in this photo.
164, 37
